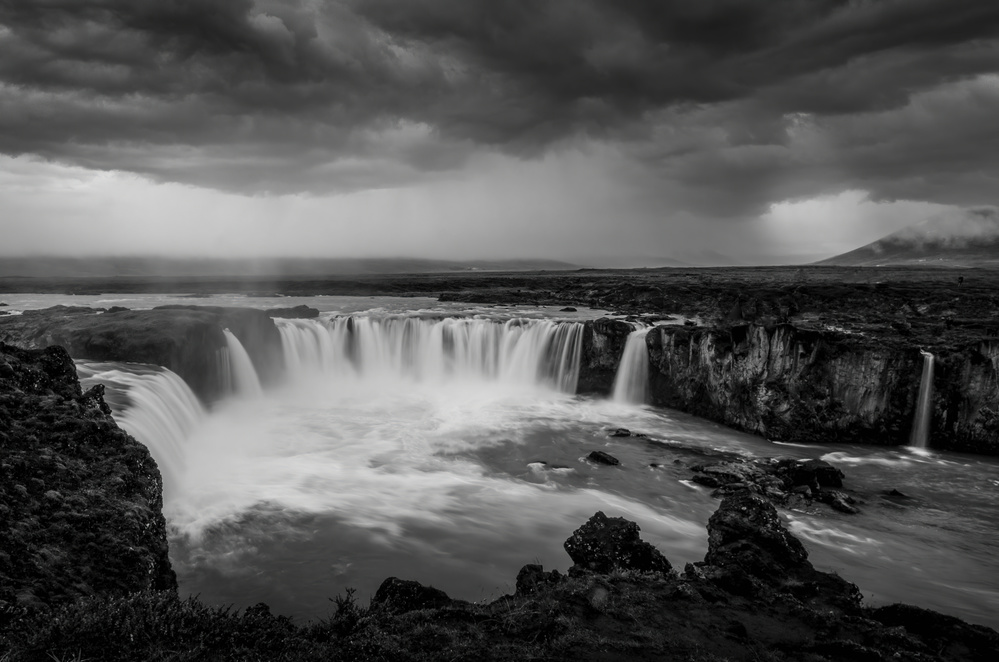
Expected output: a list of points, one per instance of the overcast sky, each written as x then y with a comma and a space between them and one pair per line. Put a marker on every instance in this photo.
609, 131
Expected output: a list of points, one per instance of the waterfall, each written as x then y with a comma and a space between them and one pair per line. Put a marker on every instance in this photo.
924, 407
631, 383
242, 377
525, 351
157, 408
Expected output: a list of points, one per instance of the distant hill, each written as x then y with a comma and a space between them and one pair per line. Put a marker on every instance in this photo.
968, 240
156, 267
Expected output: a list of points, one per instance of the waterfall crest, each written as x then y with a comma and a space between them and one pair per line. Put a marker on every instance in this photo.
924, 405
518, 351
238, 372
631, 383
157, 408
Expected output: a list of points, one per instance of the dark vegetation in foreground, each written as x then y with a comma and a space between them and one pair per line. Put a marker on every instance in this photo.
754, 597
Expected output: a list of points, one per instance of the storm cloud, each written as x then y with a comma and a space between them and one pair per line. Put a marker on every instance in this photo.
721, 107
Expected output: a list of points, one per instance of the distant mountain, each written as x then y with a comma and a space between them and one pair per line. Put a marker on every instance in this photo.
164, 267
967, 240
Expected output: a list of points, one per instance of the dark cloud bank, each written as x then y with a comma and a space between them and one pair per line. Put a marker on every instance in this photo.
723, 106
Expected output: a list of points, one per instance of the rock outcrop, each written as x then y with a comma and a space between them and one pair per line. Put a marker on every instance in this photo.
603, 345
605, 544
790, 383
786, 481
186, 339
80, 500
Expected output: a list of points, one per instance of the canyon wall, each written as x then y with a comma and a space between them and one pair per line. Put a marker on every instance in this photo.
787, 382
819, 385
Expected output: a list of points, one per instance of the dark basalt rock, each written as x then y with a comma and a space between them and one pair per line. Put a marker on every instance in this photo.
601, 457
80, 500
603, 345
839, 501
607, 543
533, 577
746, 532
785, 481
750, 551
402, 595
816, 473
185, 339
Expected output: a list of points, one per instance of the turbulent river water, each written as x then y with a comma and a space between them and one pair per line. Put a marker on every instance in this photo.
446, 444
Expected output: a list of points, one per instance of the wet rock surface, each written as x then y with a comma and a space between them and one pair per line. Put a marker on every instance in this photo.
601, 457
785, 482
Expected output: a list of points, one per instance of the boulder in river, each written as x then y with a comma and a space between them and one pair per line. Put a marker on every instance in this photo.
604, 544
601, 457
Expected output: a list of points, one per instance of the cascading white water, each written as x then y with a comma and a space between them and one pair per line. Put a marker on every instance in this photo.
241, 373
924, 407
631, 383
444, 448
517, 351
160, 411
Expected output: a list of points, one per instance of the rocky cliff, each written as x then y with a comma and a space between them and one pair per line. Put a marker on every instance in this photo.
186, 339
80, 500
820, 385
603, 344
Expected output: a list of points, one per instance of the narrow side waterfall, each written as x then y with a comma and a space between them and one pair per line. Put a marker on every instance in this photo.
924, 405
631, 383
242, 376
155, 406
522, 351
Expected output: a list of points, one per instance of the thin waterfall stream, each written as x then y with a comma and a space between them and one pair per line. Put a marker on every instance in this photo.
631, 383
924, 405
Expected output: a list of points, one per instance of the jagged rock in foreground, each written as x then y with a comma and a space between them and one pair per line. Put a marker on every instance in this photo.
607, 543
755, 597
80, 500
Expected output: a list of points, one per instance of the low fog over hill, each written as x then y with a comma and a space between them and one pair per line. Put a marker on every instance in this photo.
970, 239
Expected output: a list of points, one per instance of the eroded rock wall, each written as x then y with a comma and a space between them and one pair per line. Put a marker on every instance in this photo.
790, 383
80, 500
603, 344
185, 339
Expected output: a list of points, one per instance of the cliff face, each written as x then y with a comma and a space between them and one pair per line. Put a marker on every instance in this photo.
603, 344
966, 399
788, 383
80, 500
